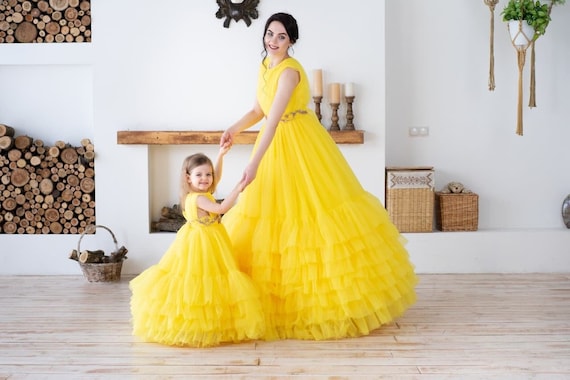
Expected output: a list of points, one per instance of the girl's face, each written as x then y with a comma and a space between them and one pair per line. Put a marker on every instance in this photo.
276, 39
201, 178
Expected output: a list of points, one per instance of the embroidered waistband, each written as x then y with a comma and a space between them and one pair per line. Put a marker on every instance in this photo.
206, 220
289, 116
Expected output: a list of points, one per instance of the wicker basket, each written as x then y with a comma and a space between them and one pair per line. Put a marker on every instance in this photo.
457, 212
100, 272
410, 198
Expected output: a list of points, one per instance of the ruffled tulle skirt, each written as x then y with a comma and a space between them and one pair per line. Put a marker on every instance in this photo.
196, 296
327, 259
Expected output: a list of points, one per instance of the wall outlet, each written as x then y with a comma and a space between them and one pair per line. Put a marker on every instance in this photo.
418, 131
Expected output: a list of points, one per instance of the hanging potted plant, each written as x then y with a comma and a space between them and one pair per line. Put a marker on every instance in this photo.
527, 21
527, 17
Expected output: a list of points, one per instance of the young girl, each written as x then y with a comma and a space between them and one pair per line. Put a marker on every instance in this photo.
196, 296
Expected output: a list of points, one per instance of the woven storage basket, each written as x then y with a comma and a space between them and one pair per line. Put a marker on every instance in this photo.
410, 198
457, 212
100, 272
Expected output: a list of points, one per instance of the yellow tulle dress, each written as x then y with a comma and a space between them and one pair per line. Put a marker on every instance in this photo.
323, 251
196, 295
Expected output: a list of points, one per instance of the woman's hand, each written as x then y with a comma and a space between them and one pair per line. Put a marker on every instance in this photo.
249, 173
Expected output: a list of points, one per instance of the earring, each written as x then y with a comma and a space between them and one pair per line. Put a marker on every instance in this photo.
291, 50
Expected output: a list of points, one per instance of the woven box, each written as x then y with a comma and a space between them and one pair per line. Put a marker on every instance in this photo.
457, 212
410, 197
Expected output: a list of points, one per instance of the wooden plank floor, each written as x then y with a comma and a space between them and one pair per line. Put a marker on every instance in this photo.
464, 326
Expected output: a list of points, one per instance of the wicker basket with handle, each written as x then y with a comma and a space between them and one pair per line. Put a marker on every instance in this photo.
106, 271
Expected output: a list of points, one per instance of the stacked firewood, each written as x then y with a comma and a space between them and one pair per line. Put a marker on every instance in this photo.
98, 256
45, 189
171, 219
28, 21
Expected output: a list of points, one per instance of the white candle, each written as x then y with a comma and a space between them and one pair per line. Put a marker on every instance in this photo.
318, 82
335, 93
349, 89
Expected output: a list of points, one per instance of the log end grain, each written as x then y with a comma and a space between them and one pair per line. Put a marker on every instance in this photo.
26, 32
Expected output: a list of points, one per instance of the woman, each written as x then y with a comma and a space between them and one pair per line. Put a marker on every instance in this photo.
327, 259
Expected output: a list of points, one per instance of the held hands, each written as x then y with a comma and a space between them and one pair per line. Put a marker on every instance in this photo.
227, 139
224, 149
249, 173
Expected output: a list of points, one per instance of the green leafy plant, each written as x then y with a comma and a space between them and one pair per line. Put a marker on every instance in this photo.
534, 13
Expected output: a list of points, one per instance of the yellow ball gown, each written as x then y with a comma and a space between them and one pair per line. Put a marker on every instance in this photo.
196, 296
328, 261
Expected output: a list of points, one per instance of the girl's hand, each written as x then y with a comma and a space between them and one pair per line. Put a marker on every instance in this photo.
224, 149
227, 139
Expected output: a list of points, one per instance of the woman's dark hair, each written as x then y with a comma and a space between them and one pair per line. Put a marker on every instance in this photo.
288, 22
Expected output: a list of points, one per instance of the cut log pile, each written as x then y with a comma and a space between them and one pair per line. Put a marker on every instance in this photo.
98, 256
45, 189
28, 21
171, 219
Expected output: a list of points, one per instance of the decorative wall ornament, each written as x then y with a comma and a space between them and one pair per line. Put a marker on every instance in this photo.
245, 10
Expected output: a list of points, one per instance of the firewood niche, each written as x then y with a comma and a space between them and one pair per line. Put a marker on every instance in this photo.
45, 189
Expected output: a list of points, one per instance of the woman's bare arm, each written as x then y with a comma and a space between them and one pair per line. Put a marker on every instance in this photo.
287, 82
250, 118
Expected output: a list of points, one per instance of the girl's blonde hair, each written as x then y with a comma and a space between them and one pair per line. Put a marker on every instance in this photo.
188, 165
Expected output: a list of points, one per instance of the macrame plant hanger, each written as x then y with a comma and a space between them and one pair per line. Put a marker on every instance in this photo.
523, 36
532, 95
521, 40
532, 92
491, 4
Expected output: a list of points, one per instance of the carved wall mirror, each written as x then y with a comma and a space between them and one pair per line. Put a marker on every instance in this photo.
245, 10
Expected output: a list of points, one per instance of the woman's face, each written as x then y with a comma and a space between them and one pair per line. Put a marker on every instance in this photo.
276, 39
201, 178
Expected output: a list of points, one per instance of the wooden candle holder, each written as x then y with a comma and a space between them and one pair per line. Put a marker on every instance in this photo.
317, 100
349, 115
334, 117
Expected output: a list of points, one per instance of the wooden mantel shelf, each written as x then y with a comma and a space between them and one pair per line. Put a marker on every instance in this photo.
213, 137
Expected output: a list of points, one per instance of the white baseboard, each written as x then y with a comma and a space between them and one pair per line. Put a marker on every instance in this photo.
491, 251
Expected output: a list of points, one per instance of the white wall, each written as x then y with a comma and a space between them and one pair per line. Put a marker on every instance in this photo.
438, 74
177, 68
437, 64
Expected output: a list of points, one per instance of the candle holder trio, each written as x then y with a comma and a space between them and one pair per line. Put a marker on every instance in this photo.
334, 115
